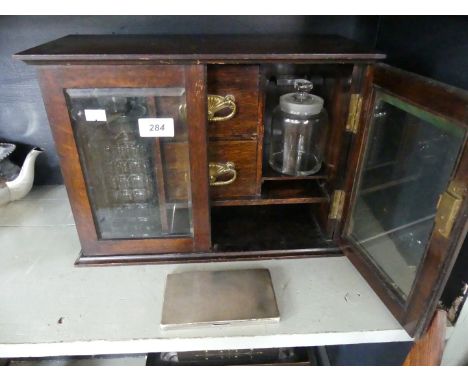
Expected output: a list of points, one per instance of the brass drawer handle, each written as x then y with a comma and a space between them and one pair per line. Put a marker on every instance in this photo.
222, 169
217, 103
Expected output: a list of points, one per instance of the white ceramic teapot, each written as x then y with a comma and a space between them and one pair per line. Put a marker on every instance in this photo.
15, 182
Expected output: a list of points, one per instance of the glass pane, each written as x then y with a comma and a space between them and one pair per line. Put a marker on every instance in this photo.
138, 183
410, 155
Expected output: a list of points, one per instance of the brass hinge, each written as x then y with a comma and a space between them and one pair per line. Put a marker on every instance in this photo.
336, 209
355, 105
448, 208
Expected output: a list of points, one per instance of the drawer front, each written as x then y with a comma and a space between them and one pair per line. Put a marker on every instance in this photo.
242, 82
244, 155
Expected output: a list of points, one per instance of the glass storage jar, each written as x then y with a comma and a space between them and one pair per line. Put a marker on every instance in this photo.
298, 133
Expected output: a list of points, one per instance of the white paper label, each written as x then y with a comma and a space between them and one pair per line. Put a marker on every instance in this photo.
156, 127
95, 115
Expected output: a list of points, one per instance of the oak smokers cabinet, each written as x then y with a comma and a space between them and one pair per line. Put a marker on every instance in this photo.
163, 144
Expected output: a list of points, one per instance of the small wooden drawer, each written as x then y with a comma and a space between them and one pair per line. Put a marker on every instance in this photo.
244, 156
241, 81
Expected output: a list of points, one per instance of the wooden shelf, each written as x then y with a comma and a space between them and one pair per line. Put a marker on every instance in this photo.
293, 192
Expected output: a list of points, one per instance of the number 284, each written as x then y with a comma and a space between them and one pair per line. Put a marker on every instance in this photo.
156, 127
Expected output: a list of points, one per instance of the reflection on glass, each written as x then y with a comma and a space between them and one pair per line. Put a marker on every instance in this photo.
139, 187
409, 157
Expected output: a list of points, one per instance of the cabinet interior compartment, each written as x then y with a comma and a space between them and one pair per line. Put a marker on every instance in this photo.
257, 228
331, 82
284, 206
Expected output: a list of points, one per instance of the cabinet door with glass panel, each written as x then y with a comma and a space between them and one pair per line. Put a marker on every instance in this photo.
132, 143
406, 208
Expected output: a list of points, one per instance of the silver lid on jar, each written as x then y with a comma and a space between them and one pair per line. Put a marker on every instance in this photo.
308, 105
301, 103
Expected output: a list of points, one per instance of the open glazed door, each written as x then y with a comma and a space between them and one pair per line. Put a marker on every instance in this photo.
406, 204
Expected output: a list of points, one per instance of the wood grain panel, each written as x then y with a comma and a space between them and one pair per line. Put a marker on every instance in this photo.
435, 97
121, 76
242, 82
428, 350
195, 78
175, 156
244, 155
198, 49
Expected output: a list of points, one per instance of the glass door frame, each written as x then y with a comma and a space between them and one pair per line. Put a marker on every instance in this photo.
55, 79
414, 313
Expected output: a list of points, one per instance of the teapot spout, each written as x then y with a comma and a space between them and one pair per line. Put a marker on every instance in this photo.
20, 186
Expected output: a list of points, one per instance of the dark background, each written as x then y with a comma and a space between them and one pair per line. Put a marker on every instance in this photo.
433, 46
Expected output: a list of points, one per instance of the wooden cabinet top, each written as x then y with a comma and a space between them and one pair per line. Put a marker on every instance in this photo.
199, 49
